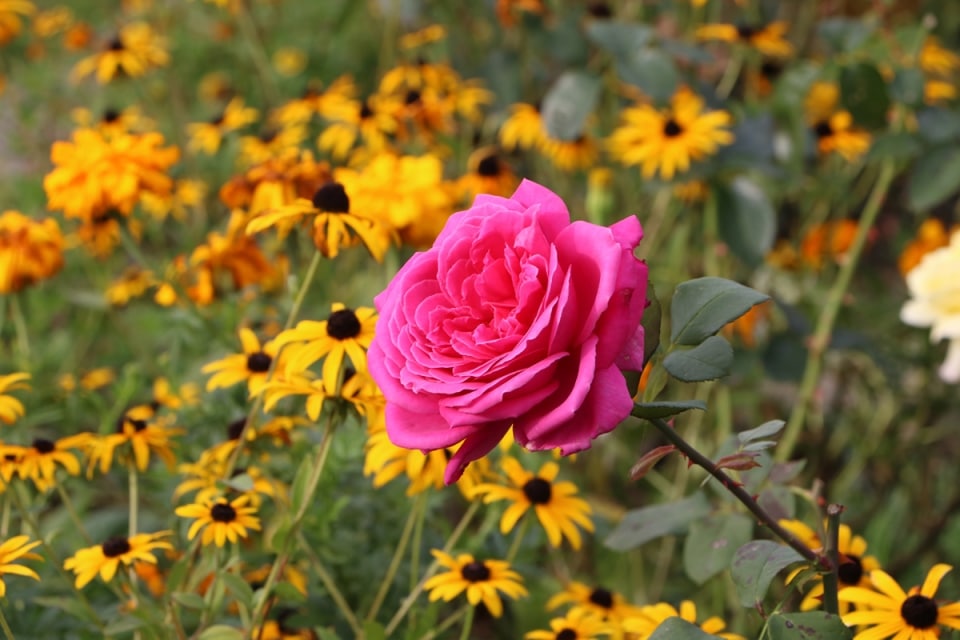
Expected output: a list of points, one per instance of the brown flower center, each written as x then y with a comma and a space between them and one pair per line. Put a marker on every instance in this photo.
538, 490
489, 167
42, 445
671, 128
332, 198
223, 512
566, 634
850, 571
602, 598
116, 546
475, 572
823, 129
343, 324
258, 362
235, 428
919, 612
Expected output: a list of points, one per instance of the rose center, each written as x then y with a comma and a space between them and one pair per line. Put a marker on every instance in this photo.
850, 571
602, 598
343, 324
259, 362
919, 612
223, 512
116, 546
538, 491
475, 572
332, 198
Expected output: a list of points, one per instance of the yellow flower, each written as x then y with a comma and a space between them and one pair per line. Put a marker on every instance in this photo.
482, 580
432, 33
936, 59
369, 122
134, 50
555, 503
833, 127
570, 155
935, 302
668, 140
523, 129
272, 143
653, 615
344, 333
598, 601
30, 250
104, 559
187, 395
205, 137
891, 612
13, 549
931, 235
142, 434
220, 519
39, 462
11, 409
578, 624
767, 39
132, 283
10, 12
252, 366
113, 122
289, 61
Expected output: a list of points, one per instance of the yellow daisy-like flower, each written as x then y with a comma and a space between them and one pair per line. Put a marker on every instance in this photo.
252, 366
767, 39
165, 395
652, 616
12, 550
487, 172
833, 127
142, 436
104, 559
334, 225
599, 601
891, 612
30, 250
11, 409
578, 624
205, 137
368, 122
39, 462
134, 51
295, 384
10, 14
668, 140
570, 155
220, 519
523, 128
482, 580
132, 283
937, 59
345, 333
555, 503
271, 143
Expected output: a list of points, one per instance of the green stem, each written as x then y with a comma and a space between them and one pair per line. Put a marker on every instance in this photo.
730, 75
831, 585
331, 586
711, 226
312, 482
519, 536
134, 490
415, 592
738, 492
74, 516
257, 52
468, 623
20, 327
7, 631
416, 513
258, 401
446, 624
828, 315
5, 518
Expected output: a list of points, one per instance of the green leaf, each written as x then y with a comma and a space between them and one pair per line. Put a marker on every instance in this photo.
640, 526
767, 429
702, 306
653, 410
298, 490
242, 483
907, 87
812, 625
894, 145
652, 70
709, 360
620, 39
123, 624
569, 103
287, 592
189, 600
679, 629
711, 543
373, 631
934, 178
843, 34
938, 125
70, 605
863, 92
327, 634
754, 566
652, 317
221, 632
747, 220
239, 587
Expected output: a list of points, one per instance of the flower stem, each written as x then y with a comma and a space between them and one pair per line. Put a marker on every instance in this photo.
828, 315
830, 579
20, 327
738, 492
415, 592
74, 517
519, 536
468, 623
7, 631
446, 624
330, 585
312, 482
133, 486
416, 513
257, 52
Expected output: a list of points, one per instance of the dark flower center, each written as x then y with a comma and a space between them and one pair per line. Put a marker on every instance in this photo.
671, 129
850, 571
343, 324
138, 425
771, 69
475, 572
332, 198
259, 362
413, 96
218, 120
116, 44
822, 129
538, 490
919, 612
490, 166
235, 428
223, 512
602, 598
745, 32
268, 136
566, 634
116, 546
365, 110
599, 10
43, 445
111, 115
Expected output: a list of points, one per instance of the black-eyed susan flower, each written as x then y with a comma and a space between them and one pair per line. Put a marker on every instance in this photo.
220, 520
187, 196
570, 155
666, 141
227, 260
833, 127
555, 503
768, 39
104, 559
654, 615
11, 551
315, 390
134, 282
112, 122
205, 137
141, 436
482, 580
252, 366
132, 52
276, 182
599, 601
345, 333
523, 128
487, 172
271, 143
368, 122
39, 461
11, 409
335, 225
11, 12
30, 250
891, 612
166, 395
578, 624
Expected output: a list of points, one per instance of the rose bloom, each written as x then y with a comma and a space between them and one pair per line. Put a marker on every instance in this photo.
515, 317
935, 303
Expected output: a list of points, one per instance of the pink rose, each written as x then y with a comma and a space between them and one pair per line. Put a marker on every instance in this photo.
515, 317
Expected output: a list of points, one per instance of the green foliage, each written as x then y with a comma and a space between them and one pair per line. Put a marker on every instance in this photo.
639, 526
709, 360
755, 565
812, 625
702, 306
679, 629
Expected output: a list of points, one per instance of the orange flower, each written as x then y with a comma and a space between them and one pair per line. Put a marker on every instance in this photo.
931, 235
